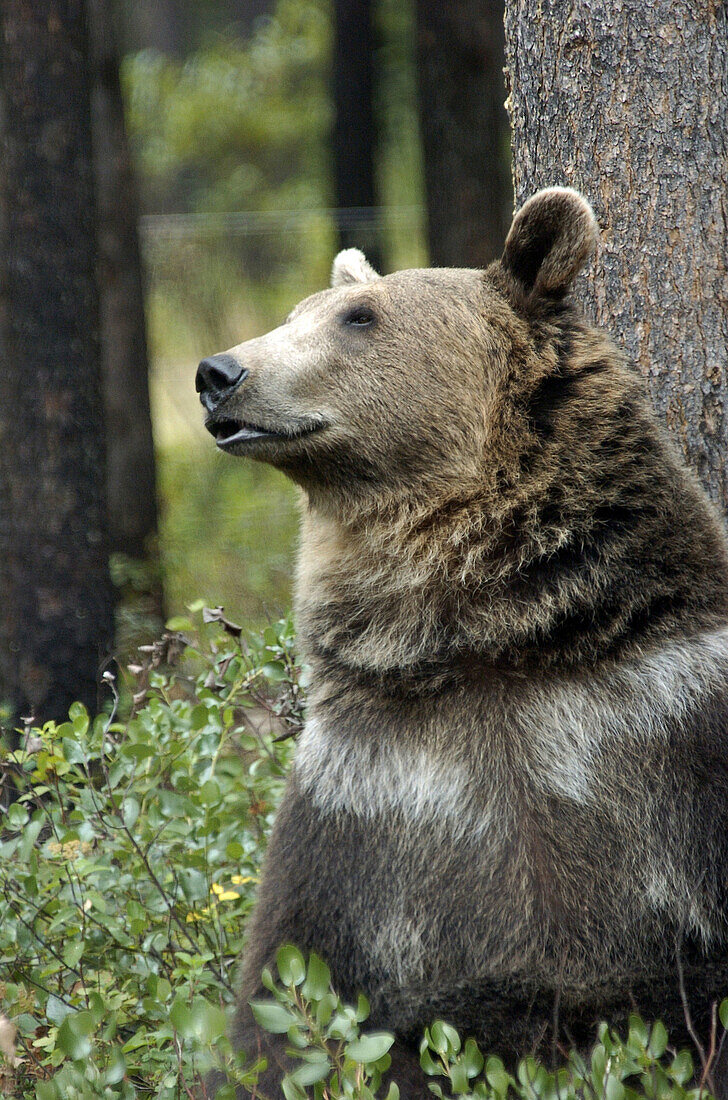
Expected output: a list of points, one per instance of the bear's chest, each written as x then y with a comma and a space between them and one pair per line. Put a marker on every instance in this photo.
460, 852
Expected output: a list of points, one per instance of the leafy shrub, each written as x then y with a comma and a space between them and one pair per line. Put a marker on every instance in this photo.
128, 862
129, 854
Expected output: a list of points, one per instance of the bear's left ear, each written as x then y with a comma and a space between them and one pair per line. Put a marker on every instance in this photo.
352, 266
551, 238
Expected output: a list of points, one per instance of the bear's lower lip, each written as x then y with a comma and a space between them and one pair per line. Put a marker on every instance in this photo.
230, 433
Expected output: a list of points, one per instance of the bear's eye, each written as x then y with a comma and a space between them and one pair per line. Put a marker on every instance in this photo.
361, 316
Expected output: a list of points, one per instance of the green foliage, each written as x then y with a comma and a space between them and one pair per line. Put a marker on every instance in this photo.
227, 531
237, 125
336, 1058
129, 860
339, 1060
637, 1067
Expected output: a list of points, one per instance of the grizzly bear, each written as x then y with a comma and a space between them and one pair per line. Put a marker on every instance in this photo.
509, 805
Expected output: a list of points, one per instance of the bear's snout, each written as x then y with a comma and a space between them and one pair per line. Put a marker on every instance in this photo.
217, 377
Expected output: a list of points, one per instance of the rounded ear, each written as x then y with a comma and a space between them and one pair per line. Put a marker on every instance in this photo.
551, 238
352, 266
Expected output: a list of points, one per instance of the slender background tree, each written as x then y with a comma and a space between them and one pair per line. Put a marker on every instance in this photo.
629, 103
354, 136
130, 471
56, 617
464, 129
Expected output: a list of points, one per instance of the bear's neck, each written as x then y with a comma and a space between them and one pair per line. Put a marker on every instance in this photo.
419, 597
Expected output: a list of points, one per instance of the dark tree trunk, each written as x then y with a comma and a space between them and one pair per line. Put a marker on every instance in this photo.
56, 622
153, 24
464, 129
629, 103
354, 128
131, 488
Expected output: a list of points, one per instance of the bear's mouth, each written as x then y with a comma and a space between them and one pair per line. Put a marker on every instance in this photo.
229, 433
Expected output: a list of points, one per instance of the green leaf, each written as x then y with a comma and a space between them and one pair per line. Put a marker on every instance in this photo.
613, 1089
444, 1038
427, 1062
459, 1078
723, 1013
73, 1035
311, 1072
291, 965
116, 1068
130, 811
682, 1067
472, 1058
658, 1040
297, 1037
72, 751
291, 1090
496, 1076
208, 1021
56, 1010
272, 1017
28, 839
138, 751
16, 816
325, 1008
180, 1015
139, 1039
637, 1032
226, 1092
318, 979
369, 1048
73, 952
362, 1009
180, 622
275, 671
209, 792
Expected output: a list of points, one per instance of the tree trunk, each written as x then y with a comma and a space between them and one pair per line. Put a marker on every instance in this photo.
131, 487
464, 129
154, 24
56, 621
354, 131
629, 103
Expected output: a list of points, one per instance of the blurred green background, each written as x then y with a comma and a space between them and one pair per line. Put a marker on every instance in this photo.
232, 146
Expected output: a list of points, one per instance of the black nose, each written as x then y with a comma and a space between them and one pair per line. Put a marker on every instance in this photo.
218, 374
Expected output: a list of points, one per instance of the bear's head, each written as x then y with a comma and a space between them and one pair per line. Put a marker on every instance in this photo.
409, 383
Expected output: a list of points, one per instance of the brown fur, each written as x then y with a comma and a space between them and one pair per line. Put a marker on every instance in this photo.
510, 805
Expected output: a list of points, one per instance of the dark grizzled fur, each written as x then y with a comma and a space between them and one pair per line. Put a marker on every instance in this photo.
498, 541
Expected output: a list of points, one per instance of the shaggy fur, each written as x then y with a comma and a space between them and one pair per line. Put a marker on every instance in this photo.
509, 807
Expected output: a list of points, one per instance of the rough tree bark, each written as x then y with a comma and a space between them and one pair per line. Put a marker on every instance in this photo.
629, 103
131, 488
354, 126
464, 129
56, 620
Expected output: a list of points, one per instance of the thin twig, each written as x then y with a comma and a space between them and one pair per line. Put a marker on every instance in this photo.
686, 1008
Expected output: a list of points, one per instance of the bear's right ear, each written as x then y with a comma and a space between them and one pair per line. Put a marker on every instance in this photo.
551, 238
352, 266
